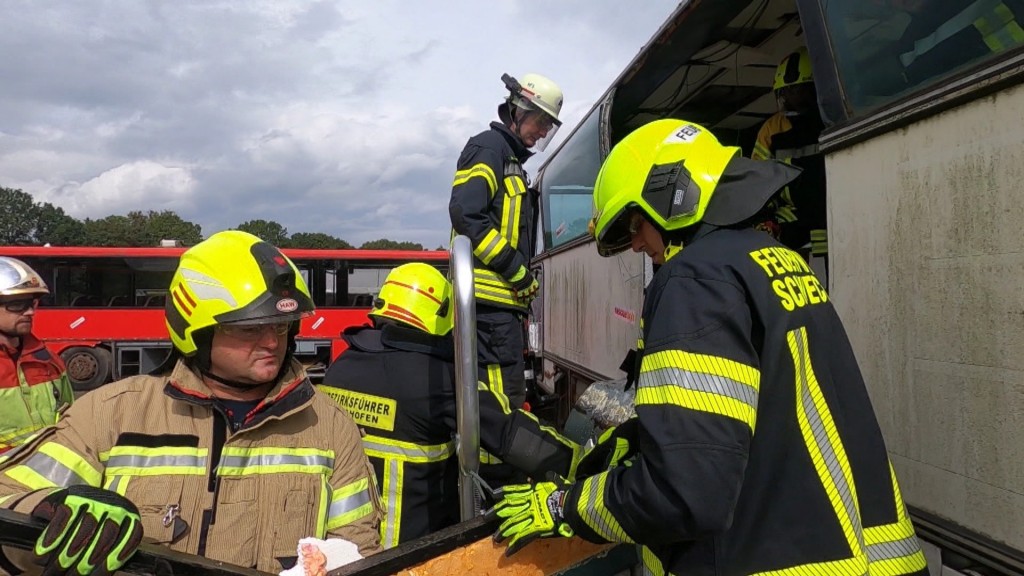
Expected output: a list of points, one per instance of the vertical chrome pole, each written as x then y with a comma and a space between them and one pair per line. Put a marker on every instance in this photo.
467, 401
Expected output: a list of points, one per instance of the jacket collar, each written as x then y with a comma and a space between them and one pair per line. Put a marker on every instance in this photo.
29, 344
395, 337
518, 148
291, 394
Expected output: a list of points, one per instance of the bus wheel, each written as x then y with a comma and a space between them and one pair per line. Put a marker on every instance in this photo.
88, 368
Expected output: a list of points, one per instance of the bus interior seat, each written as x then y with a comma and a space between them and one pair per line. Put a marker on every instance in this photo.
86, 300
363, 301
155, 300
119, 301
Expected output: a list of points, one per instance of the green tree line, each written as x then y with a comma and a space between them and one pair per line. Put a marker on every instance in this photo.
26, 222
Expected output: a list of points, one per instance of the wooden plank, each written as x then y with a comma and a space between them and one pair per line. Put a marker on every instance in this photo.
544, 557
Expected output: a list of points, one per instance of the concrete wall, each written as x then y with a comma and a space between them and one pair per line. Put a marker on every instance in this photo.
926, 238
592, 307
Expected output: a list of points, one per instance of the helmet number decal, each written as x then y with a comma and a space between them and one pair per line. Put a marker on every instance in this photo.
287, 305
688, 133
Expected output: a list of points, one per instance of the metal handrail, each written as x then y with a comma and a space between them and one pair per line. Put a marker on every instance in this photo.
467, 399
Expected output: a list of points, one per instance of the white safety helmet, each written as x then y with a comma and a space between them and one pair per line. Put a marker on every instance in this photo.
534, 92
18, 278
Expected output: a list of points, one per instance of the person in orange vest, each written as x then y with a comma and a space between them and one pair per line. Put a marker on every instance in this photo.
34, 384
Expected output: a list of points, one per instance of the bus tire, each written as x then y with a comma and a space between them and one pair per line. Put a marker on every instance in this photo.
88, 367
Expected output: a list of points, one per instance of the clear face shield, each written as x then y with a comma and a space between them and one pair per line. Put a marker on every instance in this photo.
537, 128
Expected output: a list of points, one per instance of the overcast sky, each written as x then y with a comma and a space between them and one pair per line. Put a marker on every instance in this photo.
341, 117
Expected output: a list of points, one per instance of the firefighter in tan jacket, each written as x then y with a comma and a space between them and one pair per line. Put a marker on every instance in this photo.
231, 454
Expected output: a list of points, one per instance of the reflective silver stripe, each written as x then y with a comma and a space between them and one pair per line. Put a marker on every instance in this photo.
821, 439
393, 494
348, 503
594, 515
207, 288
115, 483
137, 461
276, 460
486, 250
896, 549
411, 452
701, 382
49, 468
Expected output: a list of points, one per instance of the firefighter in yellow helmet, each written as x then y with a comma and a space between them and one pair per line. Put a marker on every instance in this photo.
34, 384
397, 379
756, 447
230, 453
791, 136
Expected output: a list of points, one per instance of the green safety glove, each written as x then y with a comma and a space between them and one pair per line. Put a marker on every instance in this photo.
615, 447
528, 512
524, 284
89, 531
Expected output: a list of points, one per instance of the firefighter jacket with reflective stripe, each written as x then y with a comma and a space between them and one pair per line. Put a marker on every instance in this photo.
399, 385
759, 451
34, 385
801, 209
493, 205
947, 34
294, 469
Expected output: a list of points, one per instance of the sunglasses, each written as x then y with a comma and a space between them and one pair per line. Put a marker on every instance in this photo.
253, 332
20, 306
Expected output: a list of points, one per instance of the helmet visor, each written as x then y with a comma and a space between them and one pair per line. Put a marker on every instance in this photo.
541, 125
616, 236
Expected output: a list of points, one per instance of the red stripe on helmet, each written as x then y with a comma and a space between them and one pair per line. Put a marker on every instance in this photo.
399, 313
415, 289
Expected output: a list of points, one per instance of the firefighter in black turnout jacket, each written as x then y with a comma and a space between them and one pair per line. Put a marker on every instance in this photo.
492, 204
397, 380
756, 448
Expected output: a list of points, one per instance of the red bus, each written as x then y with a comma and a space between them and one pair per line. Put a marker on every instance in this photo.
105, 312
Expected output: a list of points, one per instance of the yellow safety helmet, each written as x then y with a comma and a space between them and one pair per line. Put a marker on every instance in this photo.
668, 169
794, 69
233, 277
418, 295
18, 278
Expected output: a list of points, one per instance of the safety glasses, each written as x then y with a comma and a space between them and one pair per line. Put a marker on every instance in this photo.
253, 332
21, 306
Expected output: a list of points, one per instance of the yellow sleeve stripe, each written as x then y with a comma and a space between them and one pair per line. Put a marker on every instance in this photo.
595, 514
700, 382
489, 248
477, 171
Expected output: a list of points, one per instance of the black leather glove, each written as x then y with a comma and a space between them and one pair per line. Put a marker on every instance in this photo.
90, 531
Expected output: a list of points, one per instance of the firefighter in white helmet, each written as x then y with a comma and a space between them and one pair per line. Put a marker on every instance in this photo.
34, 384
492, 204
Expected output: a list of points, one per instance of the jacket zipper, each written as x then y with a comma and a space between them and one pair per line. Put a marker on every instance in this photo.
220, 434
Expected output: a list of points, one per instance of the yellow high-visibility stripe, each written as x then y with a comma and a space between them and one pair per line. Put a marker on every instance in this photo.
322, 508
489, 248
700, 382
54, 465
592, 509
822, 441
275, 460
350, 503
515, 189
391, 526
480, 170
389, 448
1000, 31
145, 461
